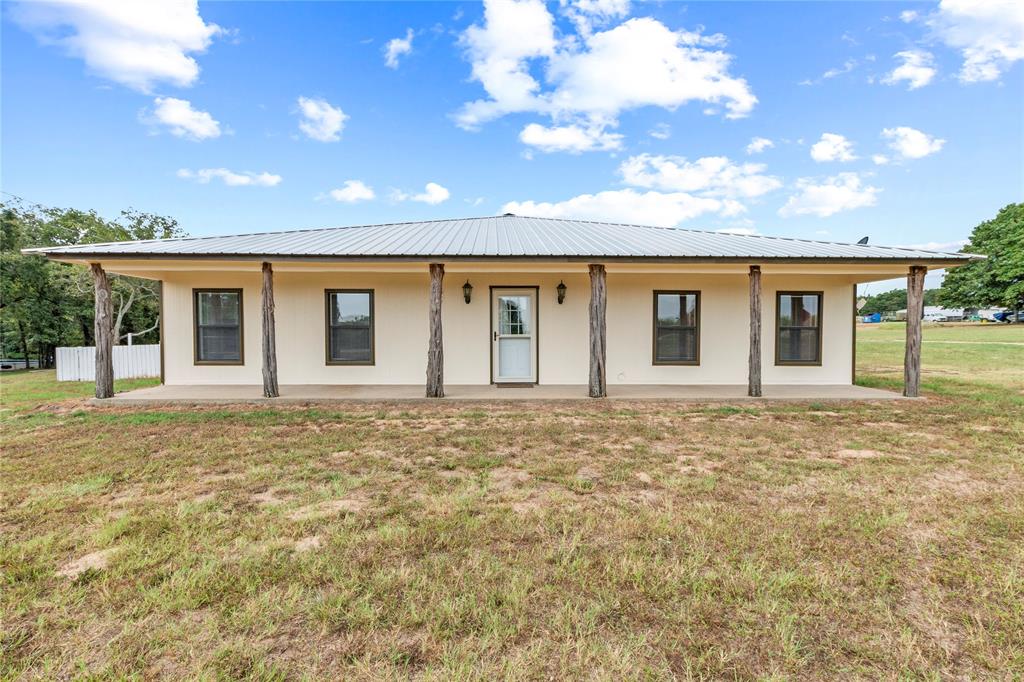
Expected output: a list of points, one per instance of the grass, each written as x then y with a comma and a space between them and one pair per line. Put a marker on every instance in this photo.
527, 541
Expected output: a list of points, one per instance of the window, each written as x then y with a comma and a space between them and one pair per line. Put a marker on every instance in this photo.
798, 328
349, 327
514, 315
676, 327
218, 320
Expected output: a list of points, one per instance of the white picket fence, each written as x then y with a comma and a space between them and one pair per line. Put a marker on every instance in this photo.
130, 362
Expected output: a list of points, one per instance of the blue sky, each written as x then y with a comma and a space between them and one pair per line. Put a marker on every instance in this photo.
900, 121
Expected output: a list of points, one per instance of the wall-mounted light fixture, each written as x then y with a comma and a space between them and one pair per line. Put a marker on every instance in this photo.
561, 292
467, 291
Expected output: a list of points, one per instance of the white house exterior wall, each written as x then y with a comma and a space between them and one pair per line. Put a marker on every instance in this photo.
401, 326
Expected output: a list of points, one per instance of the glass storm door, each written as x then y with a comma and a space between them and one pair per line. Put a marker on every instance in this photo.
514, 336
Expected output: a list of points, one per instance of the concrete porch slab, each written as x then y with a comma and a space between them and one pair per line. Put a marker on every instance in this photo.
320, 393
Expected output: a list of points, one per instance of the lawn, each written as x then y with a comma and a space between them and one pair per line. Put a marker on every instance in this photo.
604, 540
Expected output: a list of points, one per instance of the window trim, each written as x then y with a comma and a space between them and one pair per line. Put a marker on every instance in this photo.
654, 328
328, 360
779, 362
195, 325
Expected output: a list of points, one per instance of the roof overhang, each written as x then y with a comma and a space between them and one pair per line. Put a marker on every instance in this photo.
86, 258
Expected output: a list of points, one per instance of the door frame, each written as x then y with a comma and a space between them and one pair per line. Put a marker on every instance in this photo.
536, 331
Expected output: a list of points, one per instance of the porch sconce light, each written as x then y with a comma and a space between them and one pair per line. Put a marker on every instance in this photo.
467, 291
561, 292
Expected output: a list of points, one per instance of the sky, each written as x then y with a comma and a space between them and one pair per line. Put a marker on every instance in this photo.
899, 121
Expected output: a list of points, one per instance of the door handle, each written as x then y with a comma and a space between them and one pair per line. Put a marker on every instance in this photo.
495, 336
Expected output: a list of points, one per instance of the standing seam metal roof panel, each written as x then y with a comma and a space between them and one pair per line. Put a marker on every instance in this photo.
506, 236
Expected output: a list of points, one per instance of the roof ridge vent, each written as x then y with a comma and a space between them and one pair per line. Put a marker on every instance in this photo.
508, 215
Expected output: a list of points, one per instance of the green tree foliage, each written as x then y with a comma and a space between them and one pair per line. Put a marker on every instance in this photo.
891, 301
998, 280
45, 304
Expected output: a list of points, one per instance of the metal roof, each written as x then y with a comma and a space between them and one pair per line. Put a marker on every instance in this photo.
500, 237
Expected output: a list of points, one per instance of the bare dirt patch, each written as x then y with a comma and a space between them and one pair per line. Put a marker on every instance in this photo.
350, 505
94, 561
504, 479
692, 464
267, 498
955, 481
307, 544
858, 454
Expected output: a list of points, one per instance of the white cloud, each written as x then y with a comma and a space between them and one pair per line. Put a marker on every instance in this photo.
880, 159
321, 121
739, 230
714, 176
832, 147
137, 44
661, 131
823, 198
396, 47
759, 144
182, 119
432, 194
629, 206
512, 33
917, 69
848, 66
642, 63
230, 178
590, 78
570, 138
910, 143
989, 35
946, 247
353, 191
586, 14
908, 15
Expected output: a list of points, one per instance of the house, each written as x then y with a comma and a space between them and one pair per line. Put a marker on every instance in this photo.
506, 300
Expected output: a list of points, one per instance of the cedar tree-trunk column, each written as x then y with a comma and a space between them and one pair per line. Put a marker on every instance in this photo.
754, 361
598, 331
435, 352
270, 389
104, 331
915, 310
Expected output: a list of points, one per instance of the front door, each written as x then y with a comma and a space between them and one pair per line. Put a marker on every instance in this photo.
514, 335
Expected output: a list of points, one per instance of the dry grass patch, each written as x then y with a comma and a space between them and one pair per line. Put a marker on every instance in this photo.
583, 540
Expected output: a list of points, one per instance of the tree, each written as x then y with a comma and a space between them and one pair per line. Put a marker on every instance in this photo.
999, 279
45, 304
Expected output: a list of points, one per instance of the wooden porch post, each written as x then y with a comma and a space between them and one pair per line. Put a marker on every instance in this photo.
270, 388
598, 331
163, 345
104, 330
435, 351
754, 362
915, 309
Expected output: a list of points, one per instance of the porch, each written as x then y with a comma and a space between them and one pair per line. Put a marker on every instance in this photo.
321, 393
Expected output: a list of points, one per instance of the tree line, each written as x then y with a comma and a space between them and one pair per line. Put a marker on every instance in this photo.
44, 304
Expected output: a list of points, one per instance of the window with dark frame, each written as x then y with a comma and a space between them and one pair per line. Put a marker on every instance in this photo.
798, 328
349, 327
676, 327
218, 326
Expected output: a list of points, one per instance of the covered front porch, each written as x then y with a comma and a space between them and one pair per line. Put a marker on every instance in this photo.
214, 394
